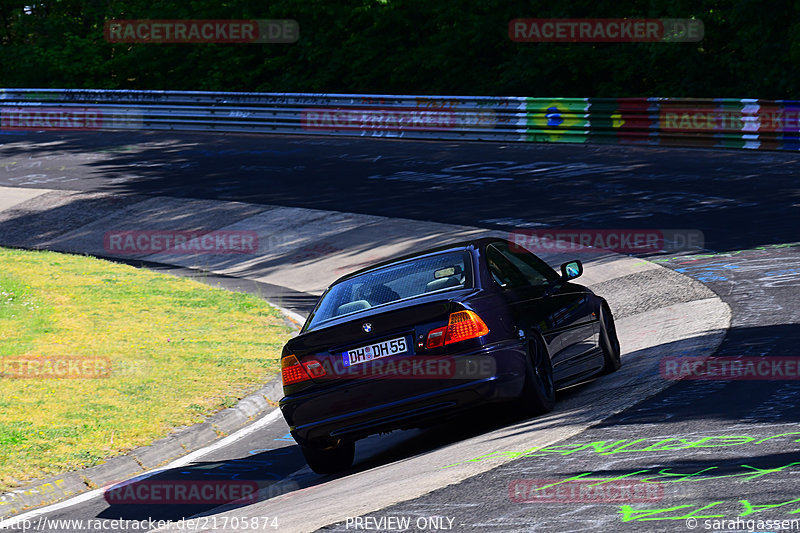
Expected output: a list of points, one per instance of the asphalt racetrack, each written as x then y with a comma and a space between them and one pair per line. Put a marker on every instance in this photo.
696, 455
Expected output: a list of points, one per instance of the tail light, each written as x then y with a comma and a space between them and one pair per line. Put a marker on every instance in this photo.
436, 338
292, 371
461, 326
465, 325
314, 368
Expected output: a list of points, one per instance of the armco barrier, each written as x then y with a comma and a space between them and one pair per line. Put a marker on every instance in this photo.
718, 122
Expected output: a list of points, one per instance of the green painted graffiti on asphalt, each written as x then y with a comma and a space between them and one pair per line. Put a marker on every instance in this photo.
667, 475
630, 446
629, 514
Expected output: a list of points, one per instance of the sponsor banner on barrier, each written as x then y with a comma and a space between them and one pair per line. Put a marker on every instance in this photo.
146, 242
54, 367
627, 241
202, 31
709, 122
377, 119
779, 118
789, 137
635, 121
623, 120
605, 30
732, 117
177, 492
746, 131
584, 491
731, 368
558, 120
688, 119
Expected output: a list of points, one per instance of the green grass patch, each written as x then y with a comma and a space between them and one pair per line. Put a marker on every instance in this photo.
177, 350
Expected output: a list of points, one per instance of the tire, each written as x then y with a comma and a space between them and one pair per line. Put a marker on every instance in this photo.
609, 343
539, 391
332, 460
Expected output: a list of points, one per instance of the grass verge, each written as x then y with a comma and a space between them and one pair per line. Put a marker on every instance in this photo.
176, 351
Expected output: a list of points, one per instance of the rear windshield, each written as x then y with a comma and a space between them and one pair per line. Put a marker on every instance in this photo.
409, 279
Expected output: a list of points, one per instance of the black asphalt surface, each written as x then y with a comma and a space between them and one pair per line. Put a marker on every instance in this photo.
739, 199
720, 450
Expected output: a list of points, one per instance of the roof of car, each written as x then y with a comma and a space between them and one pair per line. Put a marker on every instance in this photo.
454, 246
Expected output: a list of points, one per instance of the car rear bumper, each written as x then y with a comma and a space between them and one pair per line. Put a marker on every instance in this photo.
352, 409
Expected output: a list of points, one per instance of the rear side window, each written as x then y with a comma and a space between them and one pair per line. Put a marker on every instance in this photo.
392, 283
517, 268
502, 270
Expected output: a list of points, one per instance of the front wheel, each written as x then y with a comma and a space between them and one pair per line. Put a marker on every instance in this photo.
331, 460
609, 343
539, 391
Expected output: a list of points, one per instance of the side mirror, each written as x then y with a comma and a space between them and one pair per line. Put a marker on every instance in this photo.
571, 270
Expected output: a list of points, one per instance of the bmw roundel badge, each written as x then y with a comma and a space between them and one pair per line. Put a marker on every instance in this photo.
367, 327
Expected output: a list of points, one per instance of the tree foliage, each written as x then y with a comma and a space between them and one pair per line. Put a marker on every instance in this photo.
750, 49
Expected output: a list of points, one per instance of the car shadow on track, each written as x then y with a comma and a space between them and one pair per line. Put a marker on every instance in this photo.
207, 488
199, 487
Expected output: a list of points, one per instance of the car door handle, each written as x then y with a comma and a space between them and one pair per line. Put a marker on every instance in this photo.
551, 290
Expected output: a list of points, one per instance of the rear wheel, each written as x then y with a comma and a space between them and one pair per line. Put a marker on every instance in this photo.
609, 342
331, 460
539, 392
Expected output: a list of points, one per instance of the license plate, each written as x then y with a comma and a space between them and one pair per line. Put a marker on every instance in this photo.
375, 351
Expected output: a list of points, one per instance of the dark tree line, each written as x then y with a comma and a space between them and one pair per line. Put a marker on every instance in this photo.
751, 49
